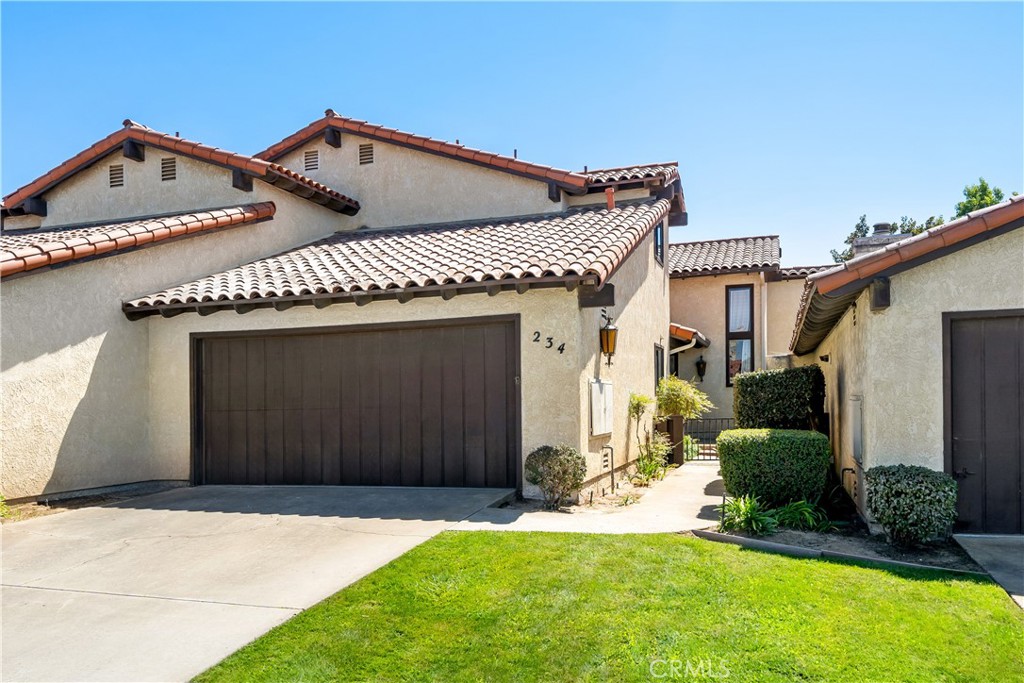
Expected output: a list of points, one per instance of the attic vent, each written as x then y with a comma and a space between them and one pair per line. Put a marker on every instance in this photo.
117, 175
366, 154
311, 160
168, 168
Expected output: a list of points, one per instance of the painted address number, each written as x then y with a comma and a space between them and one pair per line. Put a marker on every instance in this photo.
549, 342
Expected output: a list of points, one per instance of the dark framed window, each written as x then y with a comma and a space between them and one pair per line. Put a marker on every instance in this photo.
659, 363
739, 330
659, 243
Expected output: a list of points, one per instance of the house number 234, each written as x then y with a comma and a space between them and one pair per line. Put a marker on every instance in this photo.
549, 342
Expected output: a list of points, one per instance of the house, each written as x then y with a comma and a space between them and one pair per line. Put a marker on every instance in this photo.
352, 305
732, 310
921, 340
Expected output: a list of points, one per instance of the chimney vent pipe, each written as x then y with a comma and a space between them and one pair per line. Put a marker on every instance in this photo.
883, 228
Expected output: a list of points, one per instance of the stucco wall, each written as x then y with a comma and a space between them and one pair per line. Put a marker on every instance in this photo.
700, 302
549, 412
75, 370
405, 187
783, 304
641, 314
893, 358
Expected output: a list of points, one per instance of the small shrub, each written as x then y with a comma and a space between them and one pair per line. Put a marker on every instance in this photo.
5, 511
650, 465
776, 465
558, 471
679, 397
792, 398
803, 516
913, 504
691, 447
746, 513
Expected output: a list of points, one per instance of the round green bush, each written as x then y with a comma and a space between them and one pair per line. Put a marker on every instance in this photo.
913, 504
777, 466
558, 471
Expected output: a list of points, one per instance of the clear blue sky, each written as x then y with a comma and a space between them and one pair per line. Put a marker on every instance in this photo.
791, 119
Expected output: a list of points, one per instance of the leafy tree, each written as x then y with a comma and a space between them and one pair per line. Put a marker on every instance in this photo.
978, 197
860, 230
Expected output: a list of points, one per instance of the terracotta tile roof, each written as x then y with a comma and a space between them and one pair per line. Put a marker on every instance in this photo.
499, 162
829, 293
800, 272
28, 250
687, 334
132, 131
666, 172
713, 257
582, 246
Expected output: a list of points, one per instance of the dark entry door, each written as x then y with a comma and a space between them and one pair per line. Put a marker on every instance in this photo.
985, 419
390, 406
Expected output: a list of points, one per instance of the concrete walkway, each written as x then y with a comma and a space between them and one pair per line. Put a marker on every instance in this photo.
686, 499
161, 587
1002, 557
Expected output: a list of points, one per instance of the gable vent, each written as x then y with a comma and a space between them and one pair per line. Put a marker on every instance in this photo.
311, 160
117, 175
366, 154
168, 168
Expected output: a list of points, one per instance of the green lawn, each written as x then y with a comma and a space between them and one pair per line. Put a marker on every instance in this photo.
496, 606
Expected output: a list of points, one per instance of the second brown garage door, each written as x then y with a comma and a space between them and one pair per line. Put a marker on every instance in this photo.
395, 406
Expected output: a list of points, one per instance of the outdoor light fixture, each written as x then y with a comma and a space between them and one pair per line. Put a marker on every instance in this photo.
702, 367
609, 337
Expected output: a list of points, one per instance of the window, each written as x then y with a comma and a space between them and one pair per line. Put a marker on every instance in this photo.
366, 154
116, 175
739, 330
659, 364
311, 160
168, 169
659, 243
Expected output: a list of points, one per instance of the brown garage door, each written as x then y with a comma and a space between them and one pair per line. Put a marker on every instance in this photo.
394, 406
985, 418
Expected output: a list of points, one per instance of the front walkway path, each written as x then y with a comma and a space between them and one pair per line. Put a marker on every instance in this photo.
1002, 557
686, 499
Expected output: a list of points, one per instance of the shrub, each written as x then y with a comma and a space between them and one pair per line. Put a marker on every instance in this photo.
679, 397
558, 471
691, 447
776, 465
913, 504
802, 515
746, 513
650, 464
791, 398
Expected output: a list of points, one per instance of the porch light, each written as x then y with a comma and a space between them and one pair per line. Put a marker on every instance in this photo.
609, 337
702, 367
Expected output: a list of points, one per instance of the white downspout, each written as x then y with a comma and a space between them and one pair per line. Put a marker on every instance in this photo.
764, 322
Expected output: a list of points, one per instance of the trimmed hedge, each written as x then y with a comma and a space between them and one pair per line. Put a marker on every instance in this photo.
913, 504
792, 398
558, 471
776, 465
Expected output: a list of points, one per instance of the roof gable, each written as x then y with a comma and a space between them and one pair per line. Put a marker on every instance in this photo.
332, 123
133, 137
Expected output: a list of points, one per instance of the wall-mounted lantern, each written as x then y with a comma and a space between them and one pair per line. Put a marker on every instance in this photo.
609, 337
702, 367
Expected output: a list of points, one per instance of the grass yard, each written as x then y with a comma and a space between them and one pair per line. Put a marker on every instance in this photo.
496, 606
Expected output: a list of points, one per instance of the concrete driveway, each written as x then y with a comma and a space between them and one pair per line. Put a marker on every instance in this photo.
161, 587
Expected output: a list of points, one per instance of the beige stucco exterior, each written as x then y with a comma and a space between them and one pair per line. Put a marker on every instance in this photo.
783, 305
892, 359
91, 399
75, 370
405, 187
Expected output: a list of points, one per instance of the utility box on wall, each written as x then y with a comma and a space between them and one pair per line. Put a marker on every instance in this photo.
601, 414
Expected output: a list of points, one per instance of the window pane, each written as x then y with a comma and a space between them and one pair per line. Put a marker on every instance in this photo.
739, 310
741, 356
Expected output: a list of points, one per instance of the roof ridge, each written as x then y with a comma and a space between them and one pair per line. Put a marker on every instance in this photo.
725, 239
17, 232
627, 166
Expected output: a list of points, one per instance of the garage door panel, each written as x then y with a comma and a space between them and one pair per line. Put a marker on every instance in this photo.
432, 415
418, 406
